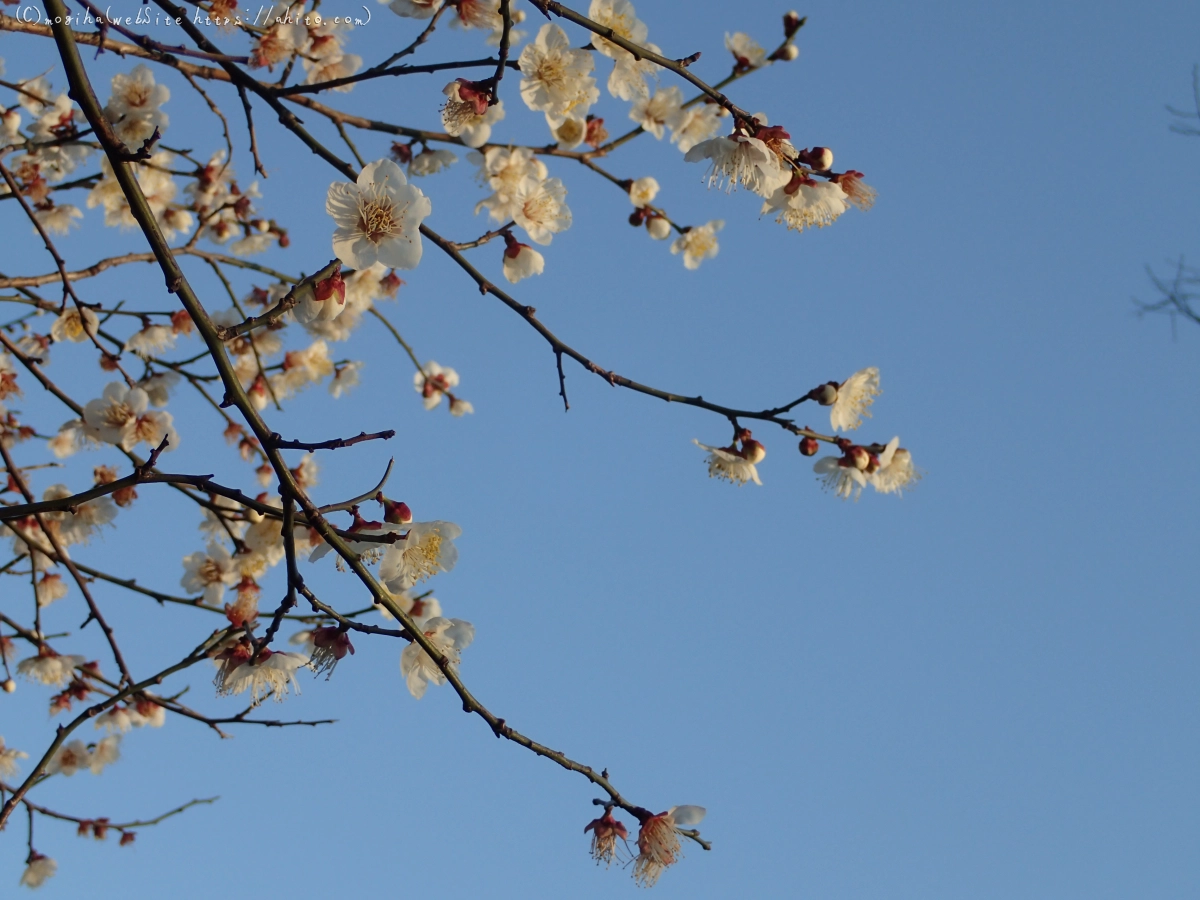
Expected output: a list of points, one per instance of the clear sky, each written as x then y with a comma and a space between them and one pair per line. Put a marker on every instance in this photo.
987, 688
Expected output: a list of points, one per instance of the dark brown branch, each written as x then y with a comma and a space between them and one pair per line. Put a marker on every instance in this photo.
335, 444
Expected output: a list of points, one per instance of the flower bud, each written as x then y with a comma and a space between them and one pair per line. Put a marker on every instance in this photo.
659, 228
753, 451
819, 159
786, 53
9, 685
393, 512
792, 22
808, 446
826, 394
858, 457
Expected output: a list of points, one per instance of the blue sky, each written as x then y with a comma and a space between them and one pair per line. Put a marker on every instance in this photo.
986, 688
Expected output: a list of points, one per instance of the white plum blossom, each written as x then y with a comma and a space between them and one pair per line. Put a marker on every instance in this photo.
209, 573
741, 159
852, 399
278, 44
269, 677
656, 112
134, 107
433, 382
805, 203
121, 417
158, 387
643, 191
76, 325
569, 132
658, 842
620, 17
49, 667
557, 77
427, 550
51, 587
151, 340
59, 218
895, 472
69, 759
460, 407
344, 378
106, 752
450, 637
377, 218
520, 261
430, 162
467, 112
479, 130
540, 208
695, 124
627, 80
734, 465
320, 301
504, 170
746, 51
844, 475
8, 760
415, 9
38, 869
698, 244
73, 436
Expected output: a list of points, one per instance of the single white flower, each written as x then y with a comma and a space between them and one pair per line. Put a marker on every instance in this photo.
851, 399
321, 301
895, 472
643, 191
807, 204
106, 752
75, 325
8, 760
433, 382
695, 124
277, 45
430, 162
49, 667
270, 676
627, 80
841, 475
540, 208
460, 407
415, 9
378, 218
50, 587
209, 573
450, 637
747, 53
151, 340
557, 77
698, 244
618, 15
427, 550
38, 868
520, 261
60, 218
134, 107
69, 759
741, 159
734, 465
73, 436
504, 170
158, 387
655, 113
345, 378
658, 842
569, 132
121, 417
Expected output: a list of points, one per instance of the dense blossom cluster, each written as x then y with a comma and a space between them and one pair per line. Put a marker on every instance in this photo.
275, 335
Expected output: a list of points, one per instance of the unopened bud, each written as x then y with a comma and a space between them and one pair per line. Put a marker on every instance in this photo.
819, 159
9, 685
659, 228
753, 451
809, 446
394, 513
792, 22
108, 362
637, 217
826, 394
858, 457
786, 53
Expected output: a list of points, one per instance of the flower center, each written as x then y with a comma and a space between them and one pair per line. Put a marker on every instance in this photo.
378, 219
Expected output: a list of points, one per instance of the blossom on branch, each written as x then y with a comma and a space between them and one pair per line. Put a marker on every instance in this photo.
520, 261
557, 77
733, 464
377, 218
426, 550
658, 842
698, 244
449, 637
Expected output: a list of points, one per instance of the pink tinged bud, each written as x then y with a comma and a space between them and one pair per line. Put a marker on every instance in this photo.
826, 394
858, 457
819, 159
792, 22
395, 513
753, 451
512, 247
809, 446
333, 286
471, 92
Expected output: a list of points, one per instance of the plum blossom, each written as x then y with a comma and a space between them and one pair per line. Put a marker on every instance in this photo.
73, 435
58, 218
520, 261
344, 378
134, 109
844, 475
698, 244
504, 170
895, 471
449, 637
849, 401
322, 301
378, 218
557, 77
270, 676
430, 162
426, 550
540, 208
76, 325
733, 464
433, 382
658, 842
121, 417
605, 831
747, 53
741, 159
643, 191
70, 758
8, 760
49, 668
415, 9
38, 869
467, 112
656, 112
805, 203
618, 15
50, 587
151, 340
209, 573
695, 124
